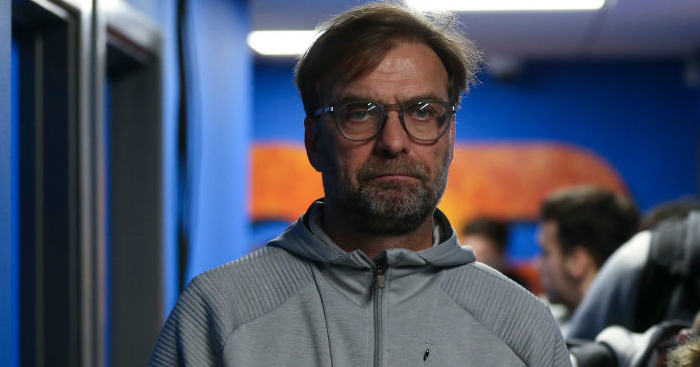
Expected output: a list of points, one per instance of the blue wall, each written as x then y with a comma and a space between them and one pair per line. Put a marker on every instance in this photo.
277, 109
8, 240
639, 114
220, 113
221, 107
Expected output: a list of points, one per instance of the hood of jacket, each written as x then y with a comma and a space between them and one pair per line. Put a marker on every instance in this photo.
299, 239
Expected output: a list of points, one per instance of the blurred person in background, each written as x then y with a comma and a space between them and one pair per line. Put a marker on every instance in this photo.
646, 292
676, 209
488, 238
653, 277
580, 228
687, 354
673, 343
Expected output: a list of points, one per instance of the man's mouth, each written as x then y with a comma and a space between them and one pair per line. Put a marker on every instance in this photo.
392, 172
395, 177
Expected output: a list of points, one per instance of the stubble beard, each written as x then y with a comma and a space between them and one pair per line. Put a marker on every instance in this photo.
389, 208
557, 289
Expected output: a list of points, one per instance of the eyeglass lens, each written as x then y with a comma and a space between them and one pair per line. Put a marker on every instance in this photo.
424, 120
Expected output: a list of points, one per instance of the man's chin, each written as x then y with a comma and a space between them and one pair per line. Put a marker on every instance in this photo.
391, 211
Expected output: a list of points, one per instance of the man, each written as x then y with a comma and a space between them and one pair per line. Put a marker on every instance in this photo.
372, 274
653, 277
618, 346
488, 238
581, 227
687, 354
645, 292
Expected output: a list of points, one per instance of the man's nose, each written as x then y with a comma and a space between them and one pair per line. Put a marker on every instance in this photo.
393, 139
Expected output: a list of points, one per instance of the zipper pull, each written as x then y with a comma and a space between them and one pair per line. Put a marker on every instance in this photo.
381, 279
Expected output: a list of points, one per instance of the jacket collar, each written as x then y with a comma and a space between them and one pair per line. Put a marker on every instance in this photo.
314, 245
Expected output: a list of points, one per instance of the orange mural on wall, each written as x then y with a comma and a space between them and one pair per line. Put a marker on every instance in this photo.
283, 182
510, 180
503, 180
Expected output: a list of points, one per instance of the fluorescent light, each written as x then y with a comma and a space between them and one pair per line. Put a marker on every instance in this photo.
281, 42
505, 5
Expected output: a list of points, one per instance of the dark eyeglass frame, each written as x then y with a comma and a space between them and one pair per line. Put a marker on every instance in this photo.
332, 108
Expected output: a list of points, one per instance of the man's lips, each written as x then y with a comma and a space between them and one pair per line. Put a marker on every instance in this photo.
394, 177
400, 170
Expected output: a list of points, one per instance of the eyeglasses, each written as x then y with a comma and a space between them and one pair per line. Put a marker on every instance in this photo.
423, 120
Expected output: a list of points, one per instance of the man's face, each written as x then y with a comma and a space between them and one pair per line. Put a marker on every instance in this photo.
485, 250
391, 183
556, 278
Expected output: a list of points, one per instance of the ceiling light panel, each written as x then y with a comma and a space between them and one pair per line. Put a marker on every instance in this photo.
281, 43
506, 5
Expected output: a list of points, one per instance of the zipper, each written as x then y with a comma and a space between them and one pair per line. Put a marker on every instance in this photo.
380, 273
381, 278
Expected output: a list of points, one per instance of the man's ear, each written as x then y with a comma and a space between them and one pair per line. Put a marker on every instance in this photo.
312, 142
579, 262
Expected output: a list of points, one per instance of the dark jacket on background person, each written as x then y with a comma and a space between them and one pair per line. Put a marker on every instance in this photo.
654, 277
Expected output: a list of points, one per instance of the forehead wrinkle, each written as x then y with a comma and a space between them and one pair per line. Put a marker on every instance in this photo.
353, 97
406, 69
397, 68
408, 63
375, 89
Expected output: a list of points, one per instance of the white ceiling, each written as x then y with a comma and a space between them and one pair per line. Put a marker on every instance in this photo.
623, 28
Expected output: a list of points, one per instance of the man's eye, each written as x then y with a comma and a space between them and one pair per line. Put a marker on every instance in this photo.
357, 115
360, 113
423, 111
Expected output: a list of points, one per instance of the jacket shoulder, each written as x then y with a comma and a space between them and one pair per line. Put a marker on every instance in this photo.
515, 315
255, 283
221, 299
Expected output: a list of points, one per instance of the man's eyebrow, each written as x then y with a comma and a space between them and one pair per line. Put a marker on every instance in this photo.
353, 98
429, 96
359, 98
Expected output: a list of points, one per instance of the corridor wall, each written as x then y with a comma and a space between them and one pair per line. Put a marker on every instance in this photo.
220, 116
8, 241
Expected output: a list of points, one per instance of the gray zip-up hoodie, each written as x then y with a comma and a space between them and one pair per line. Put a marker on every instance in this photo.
302, 301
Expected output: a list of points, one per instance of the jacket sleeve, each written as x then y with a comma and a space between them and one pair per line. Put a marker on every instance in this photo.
561, 354
192, 334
